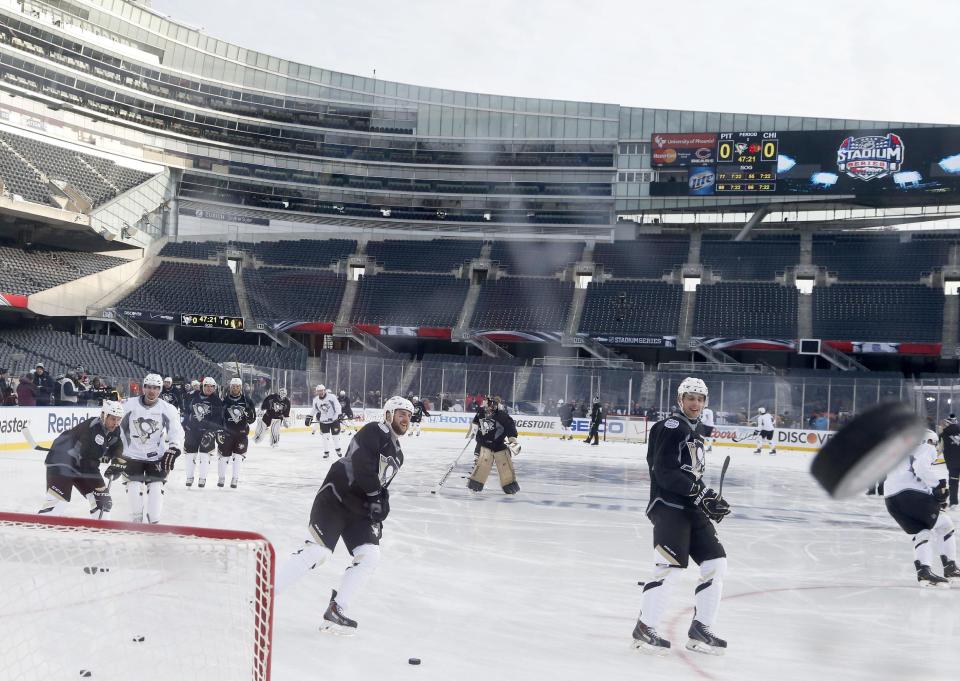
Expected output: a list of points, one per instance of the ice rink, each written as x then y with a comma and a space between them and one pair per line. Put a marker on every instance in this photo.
544, 585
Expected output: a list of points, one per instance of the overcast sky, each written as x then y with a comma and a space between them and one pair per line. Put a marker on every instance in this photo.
860, 59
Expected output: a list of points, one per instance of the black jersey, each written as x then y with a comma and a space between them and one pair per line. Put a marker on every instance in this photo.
204, 412
276, 406
596, 415
951, 441
676, 460
172, 396
419, 411
345, 408
565, 412
238, 413
495, 429
80, 450
372, 460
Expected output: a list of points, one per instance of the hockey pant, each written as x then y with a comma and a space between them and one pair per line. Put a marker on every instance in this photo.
274, 426
59, 488
765, 436
232, 447
198, 445
656, 593
504, 463
953, 468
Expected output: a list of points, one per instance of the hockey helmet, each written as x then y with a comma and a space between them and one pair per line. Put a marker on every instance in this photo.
236, 381
153, 380
209, 381
167, 380
951, 418
194, 384
929, 435
394, 403
761, 410
559, 402
319, 388
343, 393
695, 386
283, 392
493, 404
416, 399
111, 408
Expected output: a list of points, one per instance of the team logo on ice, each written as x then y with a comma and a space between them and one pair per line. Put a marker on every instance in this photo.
872, 156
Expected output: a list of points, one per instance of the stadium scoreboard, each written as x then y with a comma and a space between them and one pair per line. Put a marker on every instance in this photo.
746, 162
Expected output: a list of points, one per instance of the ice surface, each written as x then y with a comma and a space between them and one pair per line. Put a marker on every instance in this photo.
543, 585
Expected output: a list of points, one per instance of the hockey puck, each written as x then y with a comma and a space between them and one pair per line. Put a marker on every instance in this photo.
86, 673
867, 448
414, 660
433, 491
138, 639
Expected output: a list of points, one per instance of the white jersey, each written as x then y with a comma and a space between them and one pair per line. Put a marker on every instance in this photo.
706, 416
917, 472
147, 432
765, 422
326, 409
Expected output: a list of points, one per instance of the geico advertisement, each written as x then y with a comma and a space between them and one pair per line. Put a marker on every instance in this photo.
806, 439
45, 423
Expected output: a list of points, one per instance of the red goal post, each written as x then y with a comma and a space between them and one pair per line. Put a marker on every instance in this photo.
113, 600
626, 429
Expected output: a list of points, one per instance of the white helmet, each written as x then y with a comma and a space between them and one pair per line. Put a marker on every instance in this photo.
416, 399
322, 387
236, 381
283, 392
319, 388
343, 393
209, 381
559, 402
394, 403
694, 386
154, 380
111, 409
761, 410
194, 384
927, 436
167, 379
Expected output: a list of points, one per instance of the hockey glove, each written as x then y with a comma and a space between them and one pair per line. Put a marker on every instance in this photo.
115, 469
168, 459
513, 446
473, 429
941, 493
286, 423
307, 420
102, 501
378, 508
714, 507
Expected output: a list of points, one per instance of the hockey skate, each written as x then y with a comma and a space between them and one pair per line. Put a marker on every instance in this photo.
220, 482
474, 486
773, 452
202, 483
950, 570
335, 622
702, 640
234, 483
511, 488
928, 579
339, 454
189, 482
757, 451
326, 455
647, 640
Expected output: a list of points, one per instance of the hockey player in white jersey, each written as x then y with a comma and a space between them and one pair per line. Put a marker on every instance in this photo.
326, 416
152, 441
765, 432
915, 494
706, 427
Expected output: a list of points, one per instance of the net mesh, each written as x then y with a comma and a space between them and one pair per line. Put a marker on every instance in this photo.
116, 601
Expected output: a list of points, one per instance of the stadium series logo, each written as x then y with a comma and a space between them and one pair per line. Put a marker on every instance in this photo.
872, 156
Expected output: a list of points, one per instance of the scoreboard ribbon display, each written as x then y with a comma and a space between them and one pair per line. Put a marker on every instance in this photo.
897, 162
212, 321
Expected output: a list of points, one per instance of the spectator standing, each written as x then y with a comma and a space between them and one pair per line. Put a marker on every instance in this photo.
26, 391
8, 396
44, 385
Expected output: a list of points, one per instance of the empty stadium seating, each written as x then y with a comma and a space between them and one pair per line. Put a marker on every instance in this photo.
535, 258
437, 255
178, 287
304, 252
878, 257
259, 355
757, 260
64, 350
409, 300
281, 293
646, 307
167, 358
198, 250
878, 312
26, 271
523, 304
646, 258
743, 309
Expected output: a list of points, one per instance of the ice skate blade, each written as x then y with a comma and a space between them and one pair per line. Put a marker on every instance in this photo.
701, 647
647, 649
928, 585
337, 630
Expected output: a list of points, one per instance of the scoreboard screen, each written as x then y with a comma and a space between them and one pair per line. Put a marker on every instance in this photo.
746, 162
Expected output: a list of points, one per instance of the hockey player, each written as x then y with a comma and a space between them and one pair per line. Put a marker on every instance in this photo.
74, 461
764, 435
275, 409
204, 421
346, 413
915, 491
419, 411
596, 418
497, 436
681, 508
950, 437
326, 415
706, 427
168, 394
565, 412
152, 441
238, 414
351, 505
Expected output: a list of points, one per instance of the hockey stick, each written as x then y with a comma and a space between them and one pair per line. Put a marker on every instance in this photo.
723, 474
450, 469
741, 438
28, 436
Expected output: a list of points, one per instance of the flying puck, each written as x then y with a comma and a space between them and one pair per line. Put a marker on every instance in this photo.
85, 673
867, 448
433, 491
138, 639
414, 660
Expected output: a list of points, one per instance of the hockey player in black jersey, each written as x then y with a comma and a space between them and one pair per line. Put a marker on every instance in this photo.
681, 508
204, 419
170, 394
351, 505
419, 411
596, 418
497, 436
275, 410
74, 461
950, 439
345, 407
565, 412
238, 414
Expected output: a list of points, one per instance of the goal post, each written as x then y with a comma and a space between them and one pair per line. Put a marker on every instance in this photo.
625, 429
109, 600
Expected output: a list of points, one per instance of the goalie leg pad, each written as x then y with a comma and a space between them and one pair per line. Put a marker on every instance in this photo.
505, 467
482, 470
358, 573
275, 432
261, 429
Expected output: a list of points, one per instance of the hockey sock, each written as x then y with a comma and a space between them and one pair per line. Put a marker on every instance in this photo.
236, 466
275, 432
154, 501
300, 563
325, 439
135, 496
922, 551
709, 590
54, 504
946, 542
336, 441
204, 464
656, 593
358, 573
222, 467
191, 464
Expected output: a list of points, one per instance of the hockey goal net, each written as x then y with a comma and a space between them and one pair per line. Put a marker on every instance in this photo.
116, 601
625, 429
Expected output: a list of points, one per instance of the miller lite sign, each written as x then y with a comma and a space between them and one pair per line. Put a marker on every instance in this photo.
871, 156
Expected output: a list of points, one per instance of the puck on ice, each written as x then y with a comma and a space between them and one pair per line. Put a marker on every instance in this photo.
138, 639
433, 491
85, 673
414, 660
861, 452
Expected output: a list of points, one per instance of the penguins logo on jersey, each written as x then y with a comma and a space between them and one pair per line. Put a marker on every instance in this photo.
167, 397
955, 440
145, 428
389, 467
276, 406
490, 425
236, 414
697, 459
201, 410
